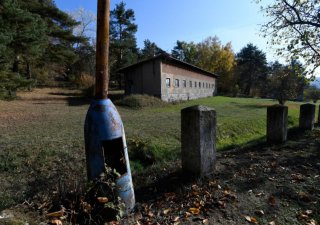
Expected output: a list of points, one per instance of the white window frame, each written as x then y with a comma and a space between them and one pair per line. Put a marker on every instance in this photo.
168, 84
176, 83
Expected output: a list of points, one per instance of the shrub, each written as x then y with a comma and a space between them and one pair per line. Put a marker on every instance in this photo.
312, 93
85, 81
140, 101
10, 83
140, 150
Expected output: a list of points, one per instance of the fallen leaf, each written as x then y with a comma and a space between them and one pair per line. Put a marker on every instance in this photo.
251, 219
226, 192
259, 212
212, 183
205, 222
150, 214
188, 214
194, 211
56, 214
195, 187
170, 196
86, 207
272, 223
259, 194
166, 211
302, 216
311, 222
177, 218
55, 222
272, 201
304, 196
195, 193
102, 199
176, 223
297, 177
308, 212
221, 204
138, 216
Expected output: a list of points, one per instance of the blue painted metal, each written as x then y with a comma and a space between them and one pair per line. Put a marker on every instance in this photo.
103, 123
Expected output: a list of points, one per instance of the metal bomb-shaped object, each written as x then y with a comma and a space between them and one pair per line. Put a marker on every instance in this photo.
106, 146
105, 140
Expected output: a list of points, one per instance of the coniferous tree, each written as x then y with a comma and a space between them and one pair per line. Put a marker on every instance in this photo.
149, 50
123, 45
187, 52
35, 40
251, 70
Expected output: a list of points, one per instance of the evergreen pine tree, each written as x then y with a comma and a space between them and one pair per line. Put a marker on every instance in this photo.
123, 45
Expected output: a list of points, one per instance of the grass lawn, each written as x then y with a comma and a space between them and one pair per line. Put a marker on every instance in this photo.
42, 143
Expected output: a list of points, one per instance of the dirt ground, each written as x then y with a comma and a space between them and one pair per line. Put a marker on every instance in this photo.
257, 185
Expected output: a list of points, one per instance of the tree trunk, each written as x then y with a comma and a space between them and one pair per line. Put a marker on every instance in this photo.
29, 75
15, 67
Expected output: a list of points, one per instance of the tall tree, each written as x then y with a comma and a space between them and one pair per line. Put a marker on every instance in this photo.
59, 52
86, 27
36, 40
187, 52
251, 70
149, 50
27, 32
212, 56
84, 66
22, 39
286, 82
123, 44
294, 29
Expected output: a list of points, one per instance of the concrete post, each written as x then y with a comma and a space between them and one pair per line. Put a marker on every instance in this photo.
277, 124
307, 116
319, 115
198, 140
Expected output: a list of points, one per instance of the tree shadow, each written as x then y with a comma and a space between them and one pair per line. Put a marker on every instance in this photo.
66, 94
78, 101
251, 167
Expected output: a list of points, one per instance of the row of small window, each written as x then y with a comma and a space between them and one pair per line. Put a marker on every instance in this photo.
184, 84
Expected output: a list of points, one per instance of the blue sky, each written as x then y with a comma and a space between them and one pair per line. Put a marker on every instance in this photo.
166, 21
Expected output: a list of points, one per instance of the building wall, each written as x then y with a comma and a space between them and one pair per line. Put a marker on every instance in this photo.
173, 93
144, 79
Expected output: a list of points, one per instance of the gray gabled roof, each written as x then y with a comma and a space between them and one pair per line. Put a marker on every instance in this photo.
169, 59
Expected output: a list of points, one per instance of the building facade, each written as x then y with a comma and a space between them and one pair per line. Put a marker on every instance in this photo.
169, 79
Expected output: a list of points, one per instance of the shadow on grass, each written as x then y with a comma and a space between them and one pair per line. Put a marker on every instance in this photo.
66, 94
115, 96
78, 101
255, 154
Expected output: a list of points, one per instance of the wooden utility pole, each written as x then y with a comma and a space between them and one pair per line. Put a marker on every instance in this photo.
102, 50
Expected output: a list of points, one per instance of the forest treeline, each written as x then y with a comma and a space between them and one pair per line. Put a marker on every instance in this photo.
41, 44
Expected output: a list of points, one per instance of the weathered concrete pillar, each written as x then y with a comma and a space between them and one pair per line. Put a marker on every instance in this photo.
198, 140
307, 116
319, 115
277, 124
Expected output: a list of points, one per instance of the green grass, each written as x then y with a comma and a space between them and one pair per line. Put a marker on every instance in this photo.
42, 142
240, 120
